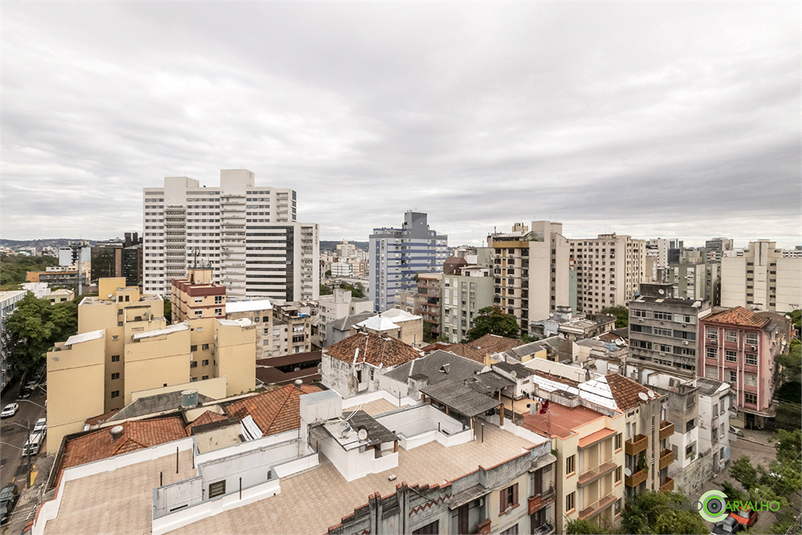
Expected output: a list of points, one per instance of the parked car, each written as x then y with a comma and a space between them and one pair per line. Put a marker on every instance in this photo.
9, 410
24, 393
8, 499
727, 526
40, 427
746, 518
32, 445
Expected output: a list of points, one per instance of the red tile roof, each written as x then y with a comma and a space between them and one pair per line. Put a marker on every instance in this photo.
487, 344
136, 435
205, 418
625, 391
373, 349
739, 316
95, 420
275, 411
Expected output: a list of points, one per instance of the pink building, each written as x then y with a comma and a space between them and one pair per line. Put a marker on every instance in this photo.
739, 347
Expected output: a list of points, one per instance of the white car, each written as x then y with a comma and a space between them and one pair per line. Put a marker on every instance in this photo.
40, 427
9, 410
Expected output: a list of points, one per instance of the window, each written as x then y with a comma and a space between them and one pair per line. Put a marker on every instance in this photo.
733, 377
689, 425
732, 356
193, 364
712, 353
193, 348
570, 502
217, 489
205, 362
204, 377
428, 529
689, 450
751, 338
712, 333
618, 474
218, 299
618, 441
751, 359
115, 394
732, 336
115, 358
510, 531
115, 337
115, 376
570, 467
218, 311
508, 498
205, 346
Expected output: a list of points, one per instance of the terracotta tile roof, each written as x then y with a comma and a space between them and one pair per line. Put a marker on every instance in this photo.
373, 349
136, 435
102, 418
739, 316
205, 418
625, 391
487, 344
275, 411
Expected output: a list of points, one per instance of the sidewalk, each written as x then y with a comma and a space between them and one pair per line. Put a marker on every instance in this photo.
29, 498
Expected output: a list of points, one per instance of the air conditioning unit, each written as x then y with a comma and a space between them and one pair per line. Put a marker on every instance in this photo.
684, 342
754, 348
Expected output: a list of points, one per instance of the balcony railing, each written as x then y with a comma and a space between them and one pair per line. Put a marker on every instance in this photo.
636, 444
636, 479
666, 430
666, 458
668, 485
596, 472
545, 529
597, 506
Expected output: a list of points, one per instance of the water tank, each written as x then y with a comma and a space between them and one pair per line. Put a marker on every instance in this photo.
189, 399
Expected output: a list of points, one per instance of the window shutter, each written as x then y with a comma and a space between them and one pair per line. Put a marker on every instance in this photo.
515, 494
501, 501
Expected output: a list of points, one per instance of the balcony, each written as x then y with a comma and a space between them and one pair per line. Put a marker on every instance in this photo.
541, 500
666, 458
545, 529
597, 507
596, 472
636, 444
668, 485
666, 430
636, 479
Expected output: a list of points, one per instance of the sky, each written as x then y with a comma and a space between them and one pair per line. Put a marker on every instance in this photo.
653, 119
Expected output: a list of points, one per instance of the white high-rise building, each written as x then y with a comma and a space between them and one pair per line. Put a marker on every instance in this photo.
762, 278
246, 233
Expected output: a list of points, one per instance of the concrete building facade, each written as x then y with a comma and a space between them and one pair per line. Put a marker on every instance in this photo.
469, 289
8, 304
247, 234
397, 255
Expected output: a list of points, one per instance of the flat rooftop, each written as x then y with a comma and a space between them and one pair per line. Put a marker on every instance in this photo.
559, 420
127, 493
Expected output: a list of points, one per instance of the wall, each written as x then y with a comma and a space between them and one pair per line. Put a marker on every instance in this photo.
214, 388
152, 362
353, 464
236, 357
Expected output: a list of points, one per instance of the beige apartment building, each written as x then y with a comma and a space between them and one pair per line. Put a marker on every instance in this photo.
531, 271
124, 349
197, 296
609, 270
762, 279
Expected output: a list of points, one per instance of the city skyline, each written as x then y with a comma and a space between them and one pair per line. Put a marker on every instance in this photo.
656, 120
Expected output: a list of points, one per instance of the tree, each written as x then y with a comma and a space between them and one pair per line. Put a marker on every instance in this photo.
328, 273
791, 362
491, 320
582, 527
744, 473
651, 512
621, 314
14, 268
325, 290
356, 289
33, 329
168, 311
427, 332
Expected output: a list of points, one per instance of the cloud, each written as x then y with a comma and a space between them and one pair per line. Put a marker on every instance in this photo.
653, 119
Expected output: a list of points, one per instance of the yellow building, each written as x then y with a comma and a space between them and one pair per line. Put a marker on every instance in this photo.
124, 348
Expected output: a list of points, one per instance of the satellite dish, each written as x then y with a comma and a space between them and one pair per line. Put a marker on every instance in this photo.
643, 396
363, 434
661, 291
513, 374
627, 472
110, 295
651, 394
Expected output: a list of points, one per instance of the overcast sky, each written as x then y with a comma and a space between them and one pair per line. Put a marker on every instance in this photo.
649, 119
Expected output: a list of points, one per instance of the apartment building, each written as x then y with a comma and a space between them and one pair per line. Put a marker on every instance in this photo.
762, 279
197, 296
663, 330
292, 328
531, 271
334, 307
696, 280
717, 247
468, 289
248, 234
124, 349
260, 313
398, 255
8, 304
741, 348
429, 299
609, 270
394, 323
118, 258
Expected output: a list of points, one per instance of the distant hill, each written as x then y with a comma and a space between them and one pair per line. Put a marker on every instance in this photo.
328, 245
50, 242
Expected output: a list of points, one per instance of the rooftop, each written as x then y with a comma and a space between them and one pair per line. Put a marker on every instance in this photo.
461, 398
160, 332
378, 323
372, 349
233, 307
626, 392
437, 366
739, 316
708, 387
166, 401
275, 411
560, 421
84, 337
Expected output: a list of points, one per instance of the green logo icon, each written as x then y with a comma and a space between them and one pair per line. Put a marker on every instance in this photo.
714, 506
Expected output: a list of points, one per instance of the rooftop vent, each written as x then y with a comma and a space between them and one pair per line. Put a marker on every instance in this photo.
116, 431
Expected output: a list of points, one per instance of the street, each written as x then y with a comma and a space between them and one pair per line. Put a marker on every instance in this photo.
13, 431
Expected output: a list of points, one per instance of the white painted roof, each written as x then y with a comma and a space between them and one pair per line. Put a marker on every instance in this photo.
84, 337
378, 323
250, 429
598, 391
242, 322
248, 306
396, 314
159, 332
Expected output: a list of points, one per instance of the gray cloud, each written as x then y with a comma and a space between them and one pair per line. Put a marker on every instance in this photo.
653, 119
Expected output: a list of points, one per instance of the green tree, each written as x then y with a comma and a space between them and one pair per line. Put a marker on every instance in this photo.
651, 512
328, 273
325, 290
744, 473
356, 289
168, 311
491, 320
791, 362
427, 332
621, 314
587, 527
796, 320
34, 327
14, 268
